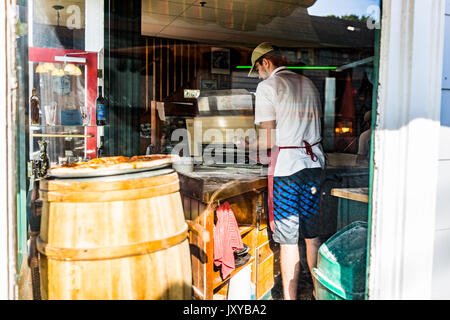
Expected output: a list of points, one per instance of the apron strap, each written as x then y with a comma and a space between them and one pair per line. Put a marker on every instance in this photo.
308, 148
273, 158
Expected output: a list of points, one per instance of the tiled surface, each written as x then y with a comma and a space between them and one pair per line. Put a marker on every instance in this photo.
305, 287
163, 7
441, 266
305, 284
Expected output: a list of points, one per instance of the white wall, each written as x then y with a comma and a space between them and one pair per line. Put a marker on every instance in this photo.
406, 149
94, 34
441, 260
94, 25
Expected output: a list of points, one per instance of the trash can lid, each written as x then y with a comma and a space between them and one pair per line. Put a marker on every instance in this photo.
342, 259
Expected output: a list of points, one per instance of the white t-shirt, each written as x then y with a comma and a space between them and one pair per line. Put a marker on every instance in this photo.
364, 143
293, 102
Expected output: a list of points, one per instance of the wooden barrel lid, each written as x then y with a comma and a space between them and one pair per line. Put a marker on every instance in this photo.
113, 188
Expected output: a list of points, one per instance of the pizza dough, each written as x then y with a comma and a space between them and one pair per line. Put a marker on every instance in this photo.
116, 164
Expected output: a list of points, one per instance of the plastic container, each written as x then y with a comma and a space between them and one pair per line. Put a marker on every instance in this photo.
341, 265
240, 287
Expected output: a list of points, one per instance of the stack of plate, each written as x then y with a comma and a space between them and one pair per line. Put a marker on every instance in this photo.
242, 256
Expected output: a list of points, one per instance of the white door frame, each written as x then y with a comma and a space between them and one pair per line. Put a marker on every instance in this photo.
406, 149
8, 94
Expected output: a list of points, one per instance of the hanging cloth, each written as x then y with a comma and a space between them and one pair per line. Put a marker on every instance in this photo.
227, 239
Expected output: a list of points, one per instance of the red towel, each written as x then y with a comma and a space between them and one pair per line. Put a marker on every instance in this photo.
273, 154
226, 239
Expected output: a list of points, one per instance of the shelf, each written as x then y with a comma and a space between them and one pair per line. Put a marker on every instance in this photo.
34, 127
243, 230
61, 135
355, 194
217, 278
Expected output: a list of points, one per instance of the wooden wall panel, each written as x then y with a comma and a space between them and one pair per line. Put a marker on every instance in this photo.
171, 67
141, 69
173, 63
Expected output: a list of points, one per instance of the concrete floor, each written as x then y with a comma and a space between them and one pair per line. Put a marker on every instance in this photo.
24, 282
305, 286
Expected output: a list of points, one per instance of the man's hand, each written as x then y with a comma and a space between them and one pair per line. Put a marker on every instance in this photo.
246, 143
264, 141
241, 143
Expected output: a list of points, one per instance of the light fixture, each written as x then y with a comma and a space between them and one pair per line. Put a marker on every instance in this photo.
72, 70
343, 127
352, 28
58, 72
58, 8
66, 58
41, 69
346, 130
45, 67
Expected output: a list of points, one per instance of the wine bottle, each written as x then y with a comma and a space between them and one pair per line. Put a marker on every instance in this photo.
100, 105
34, 104
101, 147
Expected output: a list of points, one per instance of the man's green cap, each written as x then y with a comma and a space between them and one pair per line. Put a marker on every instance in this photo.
258, 52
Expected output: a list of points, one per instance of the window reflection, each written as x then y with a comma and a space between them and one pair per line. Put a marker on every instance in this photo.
331, 44
172, 65
58, 24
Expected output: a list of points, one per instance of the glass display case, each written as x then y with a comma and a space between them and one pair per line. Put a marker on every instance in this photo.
63, 86
64, 143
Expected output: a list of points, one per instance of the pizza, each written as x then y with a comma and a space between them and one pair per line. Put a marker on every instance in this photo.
116, 164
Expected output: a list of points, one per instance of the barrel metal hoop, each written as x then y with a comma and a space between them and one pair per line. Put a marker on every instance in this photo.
113, 195
106, 253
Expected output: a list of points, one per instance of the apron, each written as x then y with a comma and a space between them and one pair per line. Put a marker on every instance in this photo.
273, 157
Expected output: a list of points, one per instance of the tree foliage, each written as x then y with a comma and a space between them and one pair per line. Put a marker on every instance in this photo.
351, 17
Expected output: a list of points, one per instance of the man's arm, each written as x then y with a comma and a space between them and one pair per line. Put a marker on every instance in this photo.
266, 135
265, 140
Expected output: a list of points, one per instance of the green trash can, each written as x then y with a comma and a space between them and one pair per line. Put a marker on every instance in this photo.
341, 265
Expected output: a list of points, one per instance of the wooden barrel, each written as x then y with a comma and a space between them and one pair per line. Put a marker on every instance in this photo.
117, 237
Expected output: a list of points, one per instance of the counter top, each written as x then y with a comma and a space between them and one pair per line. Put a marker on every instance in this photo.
214, 184
356, 194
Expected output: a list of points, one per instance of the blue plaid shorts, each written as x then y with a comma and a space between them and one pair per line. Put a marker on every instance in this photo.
296, 206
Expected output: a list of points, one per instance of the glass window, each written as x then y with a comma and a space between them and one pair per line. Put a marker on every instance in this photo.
197, 59
175, 78
58, 24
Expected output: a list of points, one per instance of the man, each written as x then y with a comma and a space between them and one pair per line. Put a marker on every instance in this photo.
289, 104
364, 140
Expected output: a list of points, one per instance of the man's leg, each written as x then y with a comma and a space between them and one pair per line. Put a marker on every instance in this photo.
309, 219
286, 233
312, 250
290, 270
